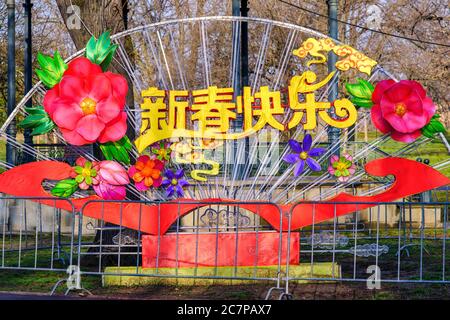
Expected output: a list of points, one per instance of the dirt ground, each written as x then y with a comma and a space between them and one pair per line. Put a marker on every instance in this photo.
320, 291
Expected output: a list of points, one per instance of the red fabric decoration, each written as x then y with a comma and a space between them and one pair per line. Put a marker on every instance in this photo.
411, 177
192, 250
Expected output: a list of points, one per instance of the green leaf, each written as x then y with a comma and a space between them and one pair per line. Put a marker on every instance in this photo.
51, 69
35, 110
38, 120
433, 127
117, 150
43, 128
32, 121
107, 60
101, 51
361, 102
65, 188
360, 93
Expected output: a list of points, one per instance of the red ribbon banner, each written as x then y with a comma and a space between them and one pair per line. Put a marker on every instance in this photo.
411, 177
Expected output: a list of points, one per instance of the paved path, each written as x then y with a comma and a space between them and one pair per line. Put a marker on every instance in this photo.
40, 296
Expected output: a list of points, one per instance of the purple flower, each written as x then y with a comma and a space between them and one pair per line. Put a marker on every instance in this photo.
174, 183
303, 154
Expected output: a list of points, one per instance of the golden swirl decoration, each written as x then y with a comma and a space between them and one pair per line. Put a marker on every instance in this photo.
351, 58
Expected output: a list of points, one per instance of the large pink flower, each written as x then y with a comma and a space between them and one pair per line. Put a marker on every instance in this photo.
112, 181
87, 104
401, 109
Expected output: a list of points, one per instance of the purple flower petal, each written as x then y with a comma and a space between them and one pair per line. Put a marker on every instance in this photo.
307, 142
180, 191
183, 183
316, 152
169, 174
170, 190
291, 158
179, 174
166, 182
299, 168
313, 164
295, 146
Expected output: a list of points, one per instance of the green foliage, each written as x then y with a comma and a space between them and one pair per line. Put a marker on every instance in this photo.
117, 150
51, 69
65, 188
101, 51
360, 93
38, 120
433, 127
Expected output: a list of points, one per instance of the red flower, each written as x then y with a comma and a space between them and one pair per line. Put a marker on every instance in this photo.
87, 104
401, 109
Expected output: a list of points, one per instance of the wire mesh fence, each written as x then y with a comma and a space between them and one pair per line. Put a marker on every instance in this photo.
226, 243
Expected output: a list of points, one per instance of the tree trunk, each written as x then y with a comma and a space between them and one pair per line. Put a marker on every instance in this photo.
96, 17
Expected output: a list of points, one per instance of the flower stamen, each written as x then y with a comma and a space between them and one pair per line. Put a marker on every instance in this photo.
400, 109
303, 155
88, 106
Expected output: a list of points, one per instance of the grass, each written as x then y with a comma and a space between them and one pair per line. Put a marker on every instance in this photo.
435, 151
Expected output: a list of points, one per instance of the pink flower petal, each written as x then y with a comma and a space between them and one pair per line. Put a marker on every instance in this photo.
157, 182
67, 115
429, 108
406, 137
348, 157
71, 88
141, 186
397, 122
90, 127
378, 121
98, 87
380, 88
414, 104
132, 171
143, 158
80, 161
113, 173
108, 109
387, 106
109, 192
159, 165
416, 86
82, 67
334, 158
119, 87
83, 185
50, 97
114, 131
415, 122
398, 92
73, 138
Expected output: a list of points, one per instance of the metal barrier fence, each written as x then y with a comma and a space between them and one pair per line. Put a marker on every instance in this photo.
223, 243
35, 234
205, 244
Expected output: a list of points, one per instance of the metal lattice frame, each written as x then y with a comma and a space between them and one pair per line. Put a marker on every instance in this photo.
279, 187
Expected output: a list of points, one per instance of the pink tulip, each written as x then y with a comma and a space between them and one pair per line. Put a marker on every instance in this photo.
113, 173
112, 181
110, 192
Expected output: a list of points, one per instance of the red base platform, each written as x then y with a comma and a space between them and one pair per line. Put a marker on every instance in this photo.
243, 249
